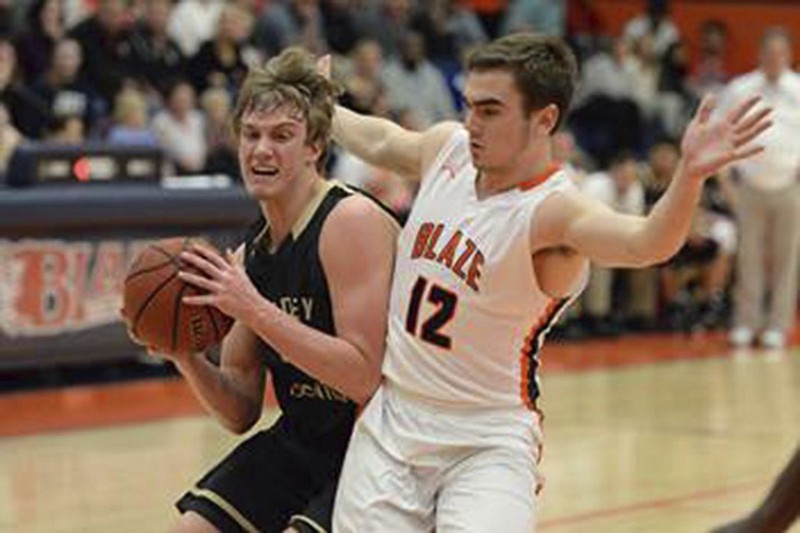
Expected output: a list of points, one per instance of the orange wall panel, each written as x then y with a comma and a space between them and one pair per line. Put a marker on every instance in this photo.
746, 20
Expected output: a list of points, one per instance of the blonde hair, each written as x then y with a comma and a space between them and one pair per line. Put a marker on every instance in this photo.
130, 104
290, 80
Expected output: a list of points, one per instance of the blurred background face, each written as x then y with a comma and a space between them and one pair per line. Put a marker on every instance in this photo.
713, 38
8, 62
397, 9
157, 15
112, 14
412, 49
663, 160
776, 56
182, 99
368, 59
67, 58
216, 105
50, 17
625, 174
234, 24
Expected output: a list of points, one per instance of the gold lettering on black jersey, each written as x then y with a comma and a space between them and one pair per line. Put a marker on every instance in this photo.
300, 307
316, 391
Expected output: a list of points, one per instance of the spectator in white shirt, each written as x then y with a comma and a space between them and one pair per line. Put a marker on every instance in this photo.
181, 130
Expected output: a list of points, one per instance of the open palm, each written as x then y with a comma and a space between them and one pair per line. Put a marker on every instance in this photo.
708, 145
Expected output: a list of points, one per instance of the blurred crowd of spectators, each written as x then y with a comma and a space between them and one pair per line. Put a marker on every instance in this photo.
165, 73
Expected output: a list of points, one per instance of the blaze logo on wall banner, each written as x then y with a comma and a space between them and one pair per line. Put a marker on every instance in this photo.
48, 287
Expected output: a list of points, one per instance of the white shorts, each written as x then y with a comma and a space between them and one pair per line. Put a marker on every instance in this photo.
413, 467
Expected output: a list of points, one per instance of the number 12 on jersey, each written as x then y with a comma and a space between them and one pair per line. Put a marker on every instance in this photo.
445, 302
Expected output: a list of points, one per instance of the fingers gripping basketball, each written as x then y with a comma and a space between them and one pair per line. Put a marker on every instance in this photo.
152, 304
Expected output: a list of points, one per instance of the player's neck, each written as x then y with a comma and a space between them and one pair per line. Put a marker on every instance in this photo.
496, 181
283, 212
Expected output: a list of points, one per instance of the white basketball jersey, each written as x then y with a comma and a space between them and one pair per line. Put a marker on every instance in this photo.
467, 317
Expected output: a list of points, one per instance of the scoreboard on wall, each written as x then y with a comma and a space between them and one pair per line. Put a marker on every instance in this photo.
44, 163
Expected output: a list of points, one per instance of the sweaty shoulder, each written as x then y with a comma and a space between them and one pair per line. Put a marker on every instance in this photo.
357, 221
554, 214
435, 139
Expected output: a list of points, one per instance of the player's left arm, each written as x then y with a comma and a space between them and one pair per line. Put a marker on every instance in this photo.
573, 220
356, 248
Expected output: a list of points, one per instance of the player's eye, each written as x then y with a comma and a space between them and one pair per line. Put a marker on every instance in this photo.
283, 136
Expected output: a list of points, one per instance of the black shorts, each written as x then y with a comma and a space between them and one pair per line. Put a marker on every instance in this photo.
265, 484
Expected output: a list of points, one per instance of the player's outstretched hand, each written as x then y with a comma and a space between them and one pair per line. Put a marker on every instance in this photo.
225, 280
708, 146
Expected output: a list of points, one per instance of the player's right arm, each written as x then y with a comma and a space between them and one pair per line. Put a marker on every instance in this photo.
233, 391
382, 143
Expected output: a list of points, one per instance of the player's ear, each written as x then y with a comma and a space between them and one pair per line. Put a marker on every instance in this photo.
545, 119
315, 151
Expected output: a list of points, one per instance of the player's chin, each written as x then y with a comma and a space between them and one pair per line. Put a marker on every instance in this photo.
264, 189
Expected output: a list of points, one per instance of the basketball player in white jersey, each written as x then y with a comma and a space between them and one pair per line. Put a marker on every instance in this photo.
496, 246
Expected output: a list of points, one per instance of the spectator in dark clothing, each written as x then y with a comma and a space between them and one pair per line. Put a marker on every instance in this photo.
26, 109
155, 59
64, 93
292, 23
45, 21
106, 51
220, 61
341, 28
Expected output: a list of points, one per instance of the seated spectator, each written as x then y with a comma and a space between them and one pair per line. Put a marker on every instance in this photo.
621, 189
220, 62
710, 70
64, 93
676, 98
155, 59
450, 29
412, 82
541, 16
293, 23
694, 283
194, 22
45, 27
387, 22
363, 84
66, 130
103, 38
180, 130
341, 26
9, 138
222, 157
656, 22
27, 111
607, 118
129, 120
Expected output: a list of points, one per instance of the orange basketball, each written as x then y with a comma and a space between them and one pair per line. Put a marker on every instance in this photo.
152, 304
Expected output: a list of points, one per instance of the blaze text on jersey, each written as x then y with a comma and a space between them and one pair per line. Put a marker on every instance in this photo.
452, 249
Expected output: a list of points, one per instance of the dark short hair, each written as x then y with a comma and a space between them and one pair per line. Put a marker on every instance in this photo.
544, 68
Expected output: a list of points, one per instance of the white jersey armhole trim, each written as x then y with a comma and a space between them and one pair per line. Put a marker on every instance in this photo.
556, 183
447, 148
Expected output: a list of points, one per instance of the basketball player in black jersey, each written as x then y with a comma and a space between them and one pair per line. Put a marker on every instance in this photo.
309, 293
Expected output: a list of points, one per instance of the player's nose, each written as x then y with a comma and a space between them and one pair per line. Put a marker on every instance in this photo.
264, 148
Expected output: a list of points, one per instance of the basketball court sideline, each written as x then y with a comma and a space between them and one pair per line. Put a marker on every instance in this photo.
643, 433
